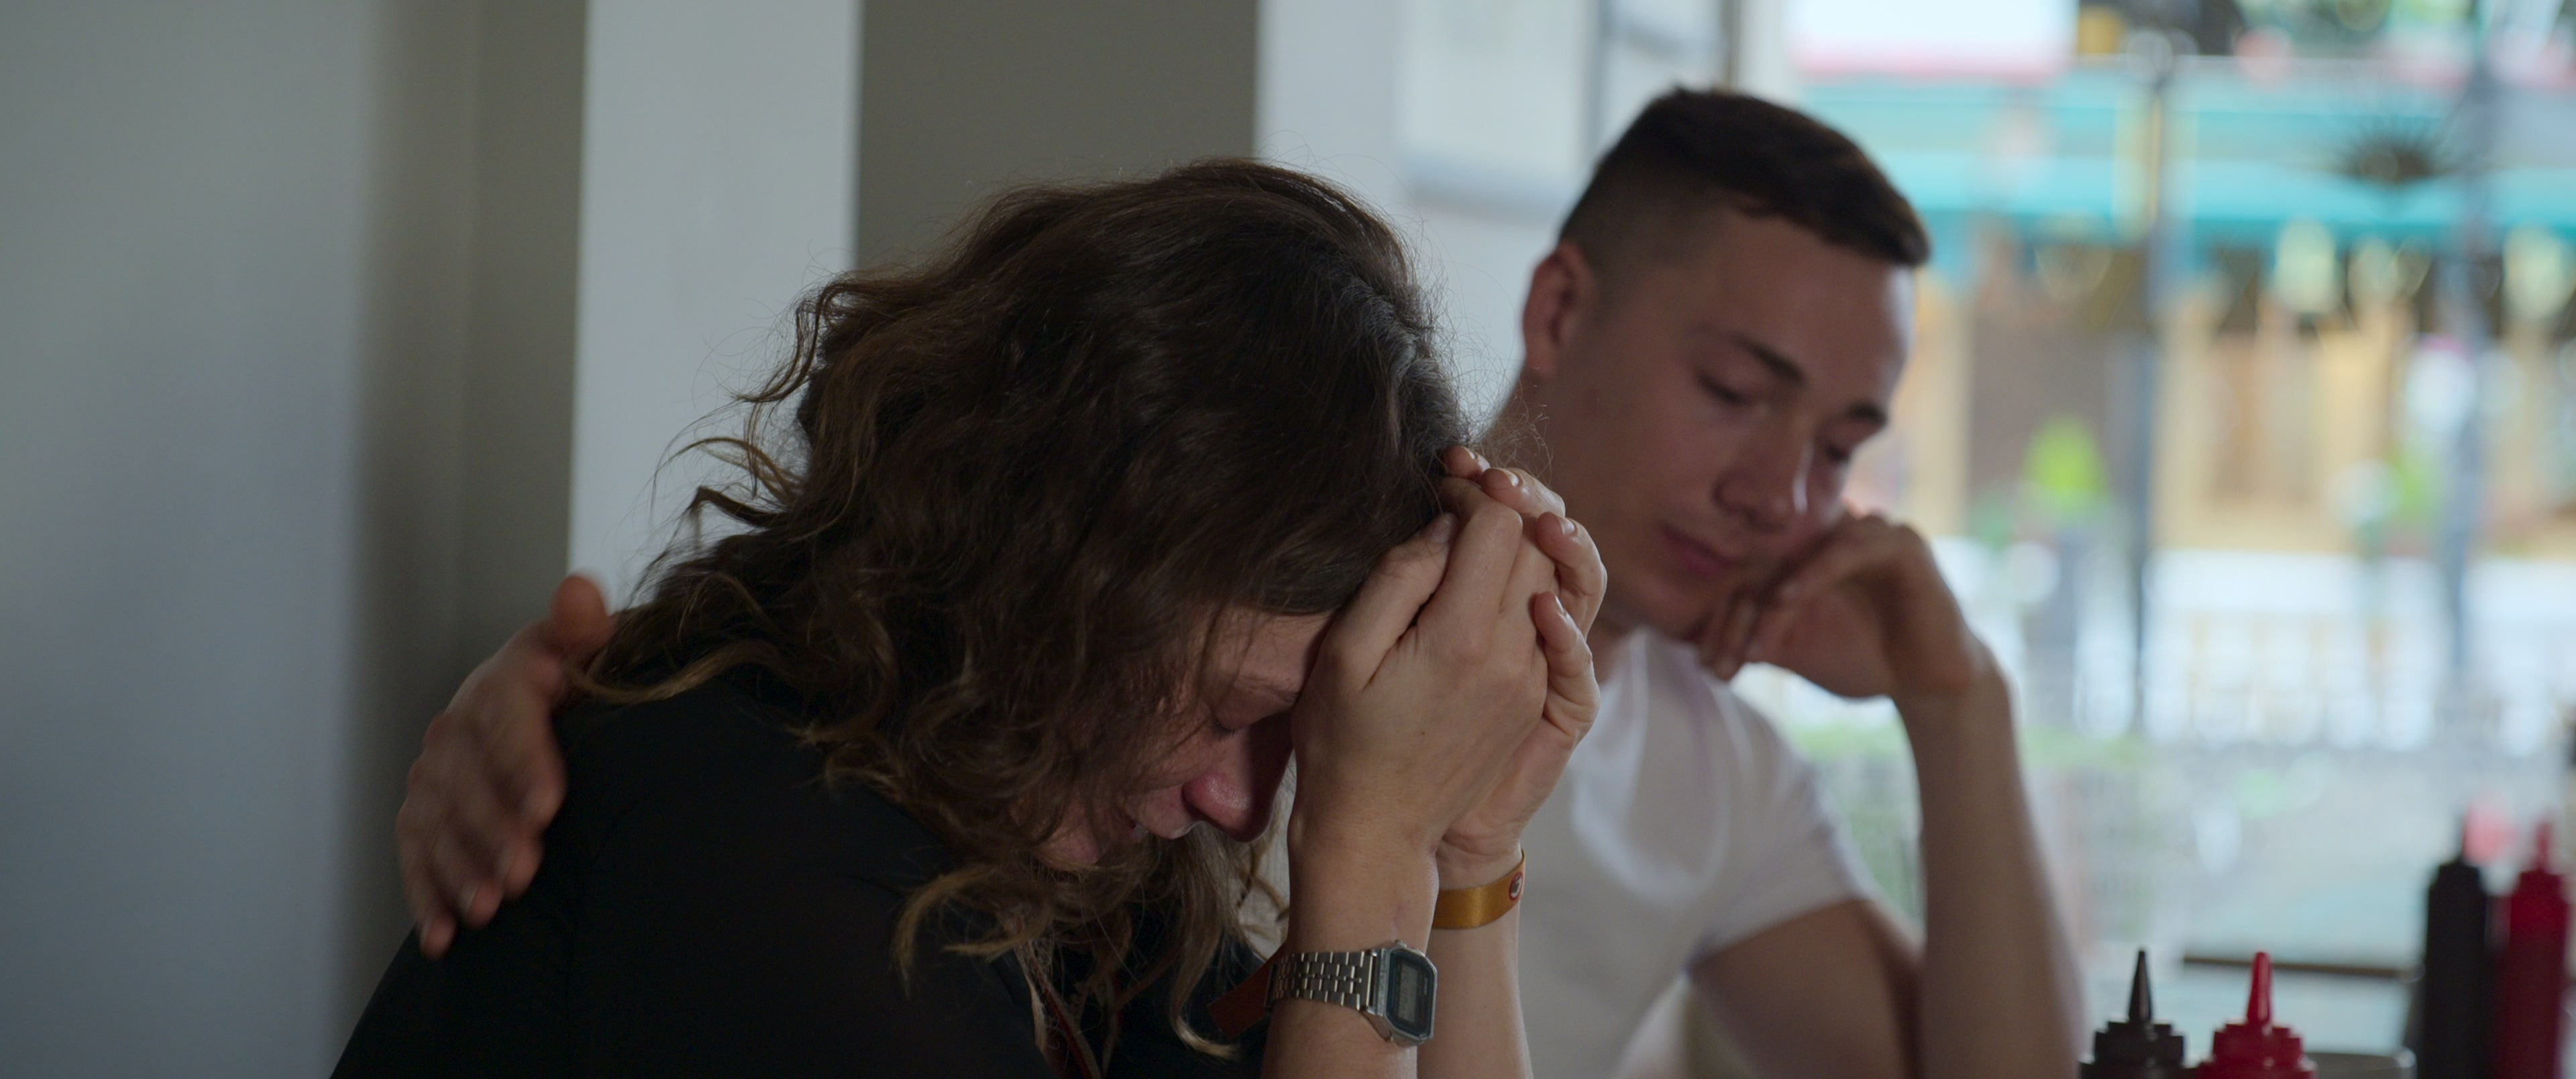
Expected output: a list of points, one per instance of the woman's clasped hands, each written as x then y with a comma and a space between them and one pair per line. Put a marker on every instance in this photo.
1446, 698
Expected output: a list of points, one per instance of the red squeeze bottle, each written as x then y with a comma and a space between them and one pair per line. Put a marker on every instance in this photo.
2255, 1048
2531, 972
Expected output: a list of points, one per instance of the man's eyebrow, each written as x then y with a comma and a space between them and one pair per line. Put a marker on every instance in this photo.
1782, 367
1787, 370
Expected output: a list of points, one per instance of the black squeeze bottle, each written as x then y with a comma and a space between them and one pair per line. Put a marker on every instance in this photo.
2137, 1047
2451, 1005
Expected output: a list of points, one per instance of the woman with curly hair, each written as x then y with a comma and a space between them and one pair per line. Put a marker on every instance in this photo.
953, 749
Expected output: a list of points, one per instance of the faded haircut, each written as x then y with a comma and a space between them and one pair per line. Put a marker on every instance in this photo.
1653, 197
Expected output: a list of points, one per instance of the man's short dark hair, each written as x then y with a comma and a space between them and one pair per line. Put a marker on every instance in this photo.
1696, 150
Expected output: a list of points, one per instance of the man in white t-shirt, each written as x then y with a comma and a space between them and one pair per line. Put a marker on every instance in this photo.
1720, 327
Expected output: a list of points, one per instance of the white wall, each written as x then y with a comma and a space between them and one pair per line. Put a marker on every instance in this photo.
1327, 82
1333, 81
1481, 261
298, 304
516, 439
330, 331
961, 97
231, 309
717, 187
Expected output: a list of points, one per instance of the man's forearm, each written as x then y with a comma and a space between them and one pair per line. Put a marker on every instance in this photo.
1998, 994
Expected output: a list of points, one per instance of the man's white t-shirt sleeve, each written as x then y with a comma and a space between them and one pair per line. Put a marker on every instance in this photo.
1789, 853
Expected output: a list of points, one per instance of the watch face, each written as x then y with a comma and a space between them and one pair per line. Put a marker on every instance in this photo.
1411, 990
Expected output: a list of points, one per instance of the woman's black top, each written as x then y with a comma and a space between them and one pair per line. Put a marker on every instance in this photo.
709, 906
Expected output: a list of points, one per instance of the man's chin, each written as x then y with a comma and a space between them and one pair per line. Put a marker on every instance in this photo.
1670, 613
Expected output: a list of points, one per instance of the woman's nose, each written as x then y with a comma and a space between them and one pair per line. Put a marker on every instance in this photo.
1237, 793
1223, 800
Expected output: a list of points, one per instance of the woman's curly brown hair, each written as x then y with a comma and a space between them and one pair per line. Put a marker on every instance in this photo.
1021, 483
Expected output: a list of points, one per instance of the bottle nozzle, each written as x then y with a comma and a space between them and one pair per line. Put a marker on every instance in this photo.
2540, 846
2257, 1048
2138, 1045
2258, 1003
2142, 997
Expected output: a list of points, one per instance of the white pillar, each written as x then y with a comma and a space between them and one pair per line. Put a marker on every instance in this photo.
1329, 93
716, 188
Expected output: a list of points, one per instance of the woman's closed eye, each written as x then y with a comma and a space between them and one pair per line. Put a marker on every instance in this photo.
1241, 720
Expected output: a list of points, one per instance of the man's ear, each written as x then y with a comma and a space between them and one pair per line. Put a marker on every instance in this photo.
1563, 289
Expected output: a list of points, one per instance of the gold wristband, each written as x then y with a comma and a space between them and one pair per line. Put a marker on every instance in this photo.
1470, 908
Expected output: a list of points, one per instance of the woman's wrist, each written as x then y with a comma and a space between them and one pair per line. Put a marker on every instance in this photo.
1345, 904
1354, 889
1477, 865
1357, 829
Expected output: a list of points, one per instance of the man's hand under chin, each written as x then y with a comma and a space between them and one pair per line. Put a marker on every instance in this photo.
1862, 611
490, 777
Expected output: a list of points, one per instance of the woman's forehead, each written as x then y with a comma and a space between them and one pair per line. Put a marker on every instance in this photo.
1257, 652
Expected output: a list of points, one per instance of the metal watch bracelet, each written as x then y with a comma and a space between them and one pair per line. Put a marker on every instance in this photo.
1393, 985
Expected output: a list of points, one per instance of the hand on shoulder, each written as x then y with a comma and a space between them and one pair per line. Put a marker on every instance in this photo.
490, 777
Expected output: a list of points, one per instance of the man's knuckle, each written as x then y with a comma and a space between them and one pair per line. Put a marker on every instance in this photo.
456, 855
440, 857
475, 812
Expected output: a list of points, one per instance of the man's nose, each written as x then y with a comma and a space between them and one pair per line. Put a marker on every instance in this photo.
1768, 485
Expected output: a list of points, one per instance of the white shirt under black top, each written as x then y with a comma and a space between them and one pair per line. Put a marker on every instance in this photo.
1684, 824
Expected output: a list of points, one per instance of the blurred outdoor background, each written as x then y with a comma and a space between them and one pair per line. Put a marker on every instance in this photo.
2244, 407
2244, 404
